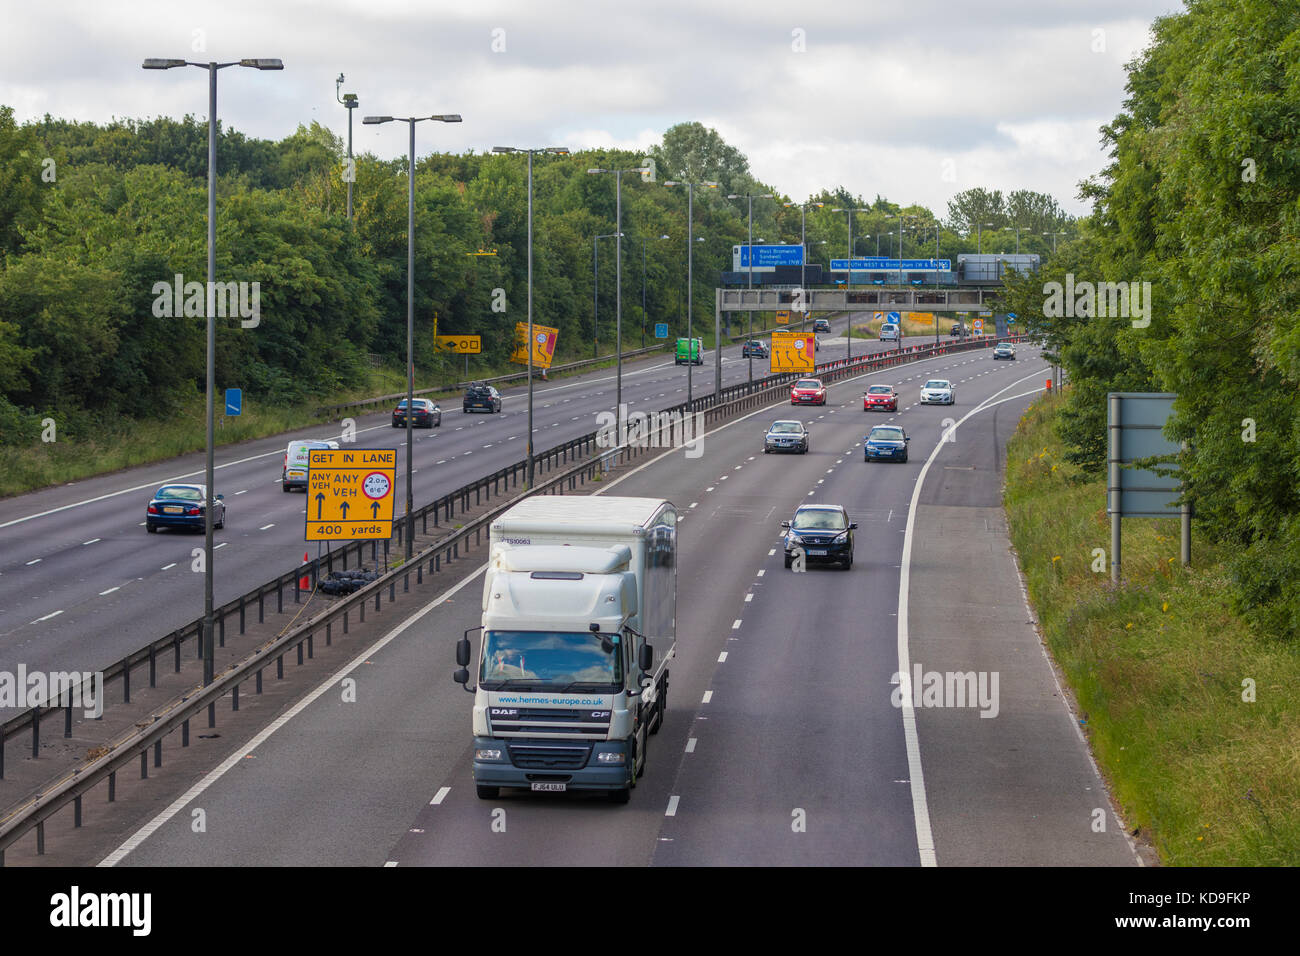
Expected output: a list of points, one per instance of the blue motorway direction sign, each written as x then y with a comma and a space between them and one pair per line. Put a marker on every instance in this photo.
661, 330
895, 317
891, 265
234, 401
768, 256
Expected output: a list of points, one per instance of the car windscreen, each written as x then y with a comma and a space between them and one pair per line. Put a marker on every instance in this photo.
179, 492
936, 383
786, 427
819, 519
550, 659
807, 383
880, 390
885, 434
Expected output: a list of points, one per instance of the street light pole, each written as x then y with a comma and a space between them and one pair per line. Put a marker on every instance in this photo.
154, 63
410, 305
350, 101
848, 284
690, 283
644, 239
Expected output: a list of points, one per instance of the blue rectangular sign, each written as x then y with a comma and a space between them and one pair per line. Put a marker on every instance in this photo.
234, 400
769, 256
892, 265
661, 330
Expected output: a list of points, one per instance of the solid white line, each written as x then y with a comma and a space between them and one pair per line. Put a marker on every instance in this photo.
672, 806
920, 805
708, 696
439, 796
237, 757
110, 590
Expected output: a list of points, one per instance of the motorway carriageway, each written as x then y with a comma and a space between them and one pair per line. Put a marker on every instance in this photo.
82, 584
781, 743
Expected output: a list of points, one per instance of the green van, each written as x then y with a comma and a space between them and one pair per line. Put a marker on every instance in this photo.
690, 350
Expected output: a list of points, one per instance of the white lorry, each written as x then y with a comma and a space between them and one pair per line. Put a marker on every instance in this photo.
579, 624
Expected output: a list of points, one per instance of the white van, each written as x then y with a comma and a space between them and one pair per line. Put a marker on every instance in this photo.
295, 462
889, 332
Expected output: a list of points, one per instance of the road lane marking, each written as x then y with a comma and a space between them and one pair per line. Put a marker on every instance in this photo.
439, 796
672, 806
34, 561
91, 541
266, 526
722, 658
735, 625
47, 617
110, 590
749, 597
690, 746
167, 566
708, 696
235, 759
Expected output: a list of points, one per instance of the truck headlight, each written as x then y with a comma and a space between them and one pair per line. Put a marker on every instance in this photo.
487, 755
608, 756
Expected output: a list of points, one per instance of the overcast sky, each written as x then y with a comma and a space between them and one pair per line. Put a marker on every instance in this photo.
910, 100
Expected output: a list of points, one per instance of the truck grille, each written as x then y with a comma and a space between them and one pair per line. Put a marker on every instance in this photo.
532, 721
548, 756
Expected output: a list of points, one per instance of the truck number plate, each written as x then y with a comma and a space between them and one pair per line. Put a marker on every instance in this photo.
551, 787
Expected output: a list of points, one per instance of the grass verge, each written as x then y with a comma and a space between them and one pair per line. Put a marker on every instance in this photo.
1161, 667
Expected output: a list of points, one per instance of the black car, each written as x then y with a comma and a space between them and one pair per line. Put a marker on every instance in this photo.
754, 349
424, 414
957, 330
822, 533
482, 396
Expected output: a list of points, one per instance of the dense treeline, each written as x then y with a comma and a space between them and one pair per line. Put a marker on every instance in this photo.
1200, 200
92, 217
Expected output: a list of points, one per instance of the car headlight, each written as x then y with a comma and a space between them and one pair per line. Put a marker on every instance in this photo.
487, 754
842, 537
606, 756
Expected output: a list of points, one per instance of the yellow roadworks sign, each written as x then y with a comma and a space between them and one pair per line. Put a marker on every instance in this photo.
461, 344
793, 352
350, 493
783, 316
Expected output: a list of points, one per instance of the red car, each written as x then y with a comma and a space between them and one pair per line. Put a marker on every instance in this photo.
808, 391
882, 397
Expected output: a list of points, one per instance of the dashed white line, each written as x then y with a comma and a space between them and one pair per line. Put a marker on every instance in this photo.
47, 617
167, 566
690, 746
694, 503
266, 526
110, 590
34, 561
245, 491
439, 796
672, 806
735, 625
708, 696
762, 571
749, 597
221, 545
722, 658
91, 541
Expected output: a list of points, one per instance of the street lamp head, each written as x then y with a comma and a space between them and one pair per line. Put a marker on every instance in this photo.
446, 117
155, 63
557, 150
504, 149
593, 172
375, 120
351, 101
263, 64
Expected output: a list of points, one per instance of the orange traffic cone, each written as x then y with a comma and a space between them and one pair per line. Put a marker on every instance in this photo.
304, 582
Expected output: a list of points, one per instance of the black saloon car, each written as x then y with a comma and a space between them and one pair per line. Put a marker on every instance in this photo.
822, 533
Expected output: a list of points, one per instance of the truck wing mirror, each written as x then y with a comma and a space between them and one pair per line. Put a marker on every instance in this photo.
646, 658
462, 652
462, 677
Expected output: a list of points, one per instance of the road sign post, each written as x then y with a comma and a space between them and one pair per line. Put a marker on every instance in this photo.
1135, 425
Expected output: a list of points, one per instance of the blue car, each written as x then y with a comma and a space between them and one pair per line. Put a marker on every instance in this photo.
182, 506
885, 443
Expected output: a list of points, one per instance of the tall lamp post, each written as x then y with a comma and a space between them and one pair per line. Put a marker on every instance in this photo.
350, 101
209, 655
644, 239
749, 278
558, 151
410, 121
690, 285
848, 282
979, 229
1054, 235
618, 272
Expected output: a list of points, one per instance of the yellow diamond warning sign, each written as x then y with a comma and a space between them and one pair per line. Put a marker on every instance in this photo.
350, 493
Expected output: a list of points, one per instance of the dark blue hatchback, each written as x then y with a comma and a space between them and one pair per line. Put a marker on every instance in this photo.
182, 506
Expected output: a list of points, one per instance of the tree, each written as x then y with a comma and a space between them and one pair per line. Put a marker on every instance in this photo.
976, 206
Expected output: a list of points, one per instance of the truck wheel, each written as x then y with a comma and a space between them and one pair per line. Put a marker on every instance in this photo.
487, 793
645, 751
788, 560
661, 709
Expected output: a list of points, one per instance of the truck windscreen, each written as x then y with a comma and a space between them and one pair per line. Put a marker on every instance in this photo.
551, 660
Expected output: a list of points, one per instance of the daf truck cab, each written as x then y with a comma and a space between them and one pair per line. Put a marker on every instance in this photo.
578, 628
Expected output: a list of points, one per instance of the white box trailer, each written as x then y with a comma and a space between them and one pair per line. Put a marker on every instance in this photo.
578, 628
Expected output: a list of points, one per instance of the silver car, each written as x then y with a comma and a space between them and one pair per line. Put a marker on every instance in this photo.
786, 436
938, 391
1004, 350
